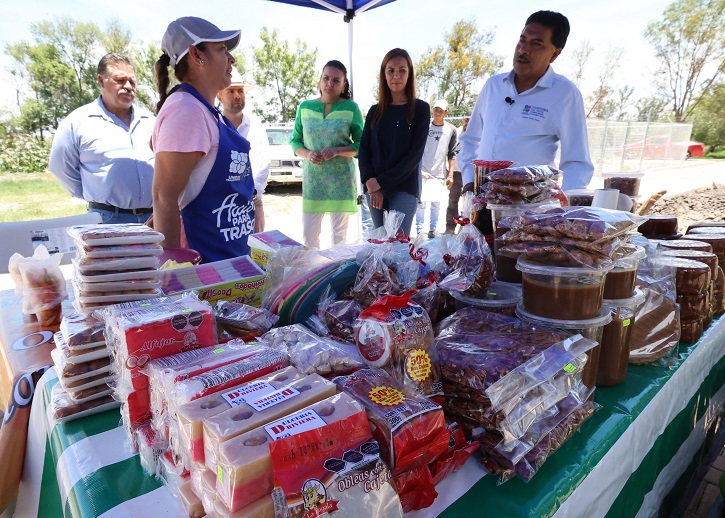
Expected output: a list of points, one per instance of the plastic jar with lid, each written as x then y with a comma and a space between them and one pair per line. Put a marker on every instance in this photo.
627, 182
501, 298
614, 356
621, 280
561, 292
591, 329
580, 197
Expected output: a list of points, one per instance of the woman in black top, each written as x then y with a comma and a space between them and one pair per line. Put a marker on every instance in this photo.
393, 141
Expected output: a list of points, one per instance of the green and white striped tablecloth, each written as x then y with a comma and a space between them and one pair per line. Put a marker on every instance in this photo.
640, 445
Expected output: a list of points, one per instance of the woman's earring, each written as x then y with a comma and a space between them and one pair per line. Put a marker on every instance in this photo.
201, 61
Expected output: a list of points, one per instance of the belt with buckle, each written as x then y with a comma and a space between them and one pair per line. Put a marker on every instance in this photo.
111, 208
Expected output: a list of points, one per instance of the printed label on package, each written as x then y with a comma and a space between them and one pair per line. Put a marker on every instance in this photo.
241, 395
276, 397
294, 424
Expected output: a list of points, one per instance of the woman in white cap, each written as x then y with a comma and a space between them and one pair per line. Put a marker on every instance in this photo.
327, 135
202, 166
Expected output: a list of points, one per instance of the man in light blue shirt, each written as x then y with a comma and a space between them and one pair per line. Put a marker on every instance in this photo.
525, 115
101, 151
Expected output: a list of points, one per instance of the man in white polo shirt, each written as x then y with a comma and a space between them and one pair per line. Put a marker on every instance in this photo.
233, 100
525, 115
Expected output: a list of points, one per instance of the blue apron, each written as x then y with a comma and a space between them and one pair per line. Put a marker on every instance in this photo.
219, 220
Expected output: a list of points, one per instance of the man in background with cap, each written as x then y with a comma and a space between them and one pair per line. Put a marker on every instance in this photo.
436, 165
454, 181
233, 101
101, 151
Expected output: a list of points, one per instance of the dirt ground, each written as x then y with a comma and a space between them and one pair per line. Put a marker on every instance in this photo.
703, 204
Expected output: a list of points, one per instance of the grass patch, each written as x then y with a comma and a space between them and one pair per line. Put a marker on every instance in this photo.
716, 154
35, 196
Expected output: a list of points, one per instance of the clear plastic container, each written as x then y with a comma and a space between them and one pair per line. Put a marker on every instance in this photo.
580, 197
502, 298
620, 280
614, 354
591, 328
565, 293
627, 182
506, 263
633, 302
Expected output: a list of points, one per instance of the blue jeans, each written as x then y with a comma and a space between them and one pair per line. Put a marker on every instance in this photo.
435, 208
113, 216
399, 201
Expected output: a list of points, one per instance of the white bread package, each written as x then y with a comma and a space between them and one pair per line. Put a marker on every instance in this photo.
244, 470
191, 416
291, 397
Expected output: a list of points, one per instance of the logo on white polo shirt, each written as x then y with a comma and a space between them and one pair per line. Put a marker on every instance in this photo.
537, 113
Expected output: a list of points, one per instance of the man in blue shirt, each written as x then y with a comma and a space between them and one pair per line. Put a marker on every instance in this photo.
101, 151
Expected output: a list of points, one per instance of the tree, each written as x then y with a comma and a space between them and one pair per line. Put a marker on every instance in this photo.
579, 58
116, 37
651, 108
709, 123
597, 100
287, 76
689, 44
144, 58
453, 69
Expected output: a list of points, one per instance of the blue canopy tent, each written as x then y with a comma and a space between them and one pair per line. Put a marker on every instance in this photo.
348, 8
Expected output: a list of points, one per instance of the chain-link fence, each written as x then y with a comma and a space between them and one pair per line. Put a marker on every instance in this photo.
631, 146
636, 146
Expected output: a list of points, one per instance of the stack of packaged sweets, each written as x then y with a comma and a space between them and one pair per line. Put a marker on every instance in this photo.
114, 264
83, 366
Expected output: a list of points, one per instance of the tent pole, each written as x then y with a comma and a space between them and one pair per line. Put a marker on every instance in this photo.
349, 54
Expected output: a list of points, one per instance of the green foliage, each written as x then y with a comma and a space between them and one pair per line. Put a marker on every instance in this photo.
59, 67
144, 58
23, 153
689, 44
652, 109
452, 69
287, 76
709, 123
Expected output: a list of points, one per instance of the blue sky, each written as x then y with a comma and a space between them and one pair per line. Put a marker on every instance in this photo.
412, 24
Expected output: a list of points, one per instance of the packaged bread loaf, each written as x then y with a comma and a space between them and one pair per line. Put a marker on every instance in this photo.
396, 334
409, 428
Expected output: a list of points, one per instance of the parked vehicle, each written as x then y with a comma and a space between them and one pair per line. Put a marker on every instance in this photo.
284, 167
660, 146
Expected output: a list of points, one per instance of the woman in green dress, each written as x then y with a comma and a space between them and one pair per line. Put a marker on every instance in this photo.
327, 135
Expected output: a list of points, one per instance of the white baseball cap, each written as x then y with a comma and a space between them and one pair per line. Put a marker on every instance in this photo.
188, 31
442, 104
238, 80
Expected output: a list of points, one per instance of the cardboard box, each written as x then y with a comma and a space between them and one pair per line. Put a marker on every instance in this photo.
237, 280
263, 244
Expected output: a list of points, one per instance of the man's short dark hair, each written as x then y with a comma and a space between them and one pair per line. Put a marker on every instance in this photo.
557, 22
113, 58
